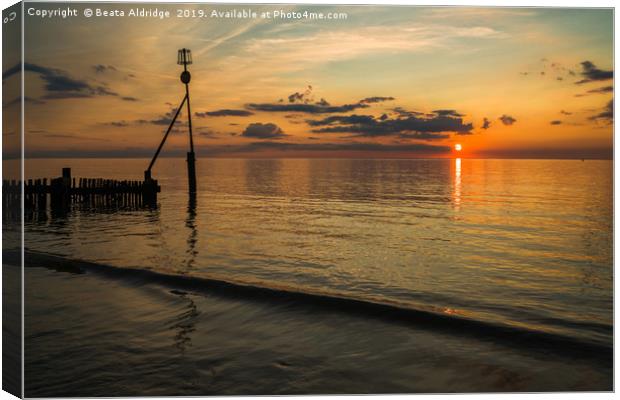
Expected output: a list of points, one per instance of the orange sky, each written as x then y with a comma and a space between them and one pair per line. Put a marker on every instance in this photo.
384, 82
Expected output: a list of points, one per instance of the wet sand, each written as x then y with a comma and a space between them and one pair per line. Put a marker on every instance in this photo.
94, 334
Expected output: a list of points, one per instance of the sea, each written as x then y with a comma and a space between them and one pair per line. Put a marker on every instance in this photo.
353, 275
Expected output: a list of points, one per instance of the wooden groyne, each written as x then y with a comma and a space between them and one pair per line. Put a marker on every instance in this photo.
63, 192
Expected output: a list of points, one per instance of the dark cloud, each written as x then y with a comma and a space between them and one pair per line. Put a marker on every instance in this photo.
206, 132
118, 124
343, 119
296, 97
507, 119
604, 89
100, 68
405, 113
59, 85
556, 122
224, 113
71, 136
161, 120
164, 119
263, 131
304, 103
431, 126
27, 100
451, 113
591, 73
486, 124
607, 115
305, 108
376, 99
600, 90
565, 112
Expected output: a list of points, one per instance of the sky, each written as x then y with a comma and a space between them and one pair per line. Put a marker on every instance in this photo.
387, 81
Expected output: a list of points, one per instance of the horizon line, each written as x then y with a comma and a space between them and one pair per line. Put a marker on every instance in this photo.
77, 157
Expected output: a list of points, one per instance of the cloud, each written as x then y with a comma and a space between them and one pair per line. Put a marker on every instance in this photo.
376, 99
452, 113
59, 85
299, 51
55, 135
405, 113
428, 127
224, 113
348, 120
591, 73
600, 90
206, 132
507, 119
607, 115
604, 89
305, 108
565, 112
556, 122
486, 124
329, 147
304, 103
100, 68
161, 120
118, 124
263, 131
27, 100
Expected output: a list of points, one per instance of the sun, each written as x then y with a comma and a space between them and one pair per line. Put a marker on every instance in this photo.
458, 147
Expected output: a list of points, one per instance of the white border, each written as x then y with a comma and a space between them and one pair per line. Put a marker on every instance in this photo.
487, 3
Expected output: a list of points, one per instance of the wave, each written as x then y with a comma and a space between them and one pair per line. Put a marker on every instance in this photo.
392, 313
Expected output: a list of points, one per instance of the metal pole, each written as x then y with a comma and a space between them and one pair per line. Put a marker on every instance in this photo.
189, 116
191, 158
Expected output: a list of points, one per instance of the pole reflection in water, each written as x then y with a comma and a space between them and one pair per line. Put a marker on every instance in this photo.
457, 184
192, 239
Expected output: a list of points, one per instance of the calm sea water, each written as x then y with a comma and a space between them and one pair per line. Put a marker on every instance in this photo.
525, 243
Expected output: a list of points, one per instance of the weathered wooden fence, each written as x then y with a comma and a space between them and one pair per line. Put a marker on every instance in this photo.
63, 192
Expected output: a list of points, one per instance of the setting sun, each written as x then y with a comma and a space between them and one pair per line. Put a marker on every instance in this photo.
458, 147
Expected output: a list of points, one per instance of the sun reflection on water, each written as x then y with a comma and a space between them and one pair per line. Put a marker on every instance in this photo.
457, 184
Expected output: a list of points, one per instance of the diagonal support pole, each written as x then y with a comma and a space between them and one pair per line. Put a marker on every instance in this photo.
147, 173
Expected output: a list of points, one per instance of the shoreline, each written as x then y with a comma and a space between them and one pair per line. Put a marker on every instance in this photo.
273, 345
383, 311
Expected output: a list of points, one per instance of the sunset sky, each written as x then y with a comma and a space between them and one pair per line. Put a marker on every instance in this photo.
385, 82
